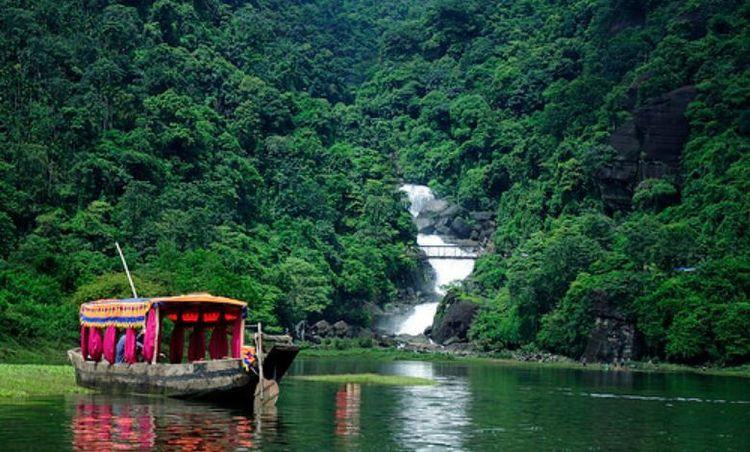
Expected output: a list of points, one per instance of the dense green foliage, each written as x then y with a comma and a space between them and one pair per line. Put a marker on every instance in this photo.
207, 137
252, 149
509, 106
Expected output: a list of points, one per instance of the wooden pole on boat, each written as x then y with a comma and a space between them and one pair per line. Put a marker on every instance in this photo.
259, 352
127, 272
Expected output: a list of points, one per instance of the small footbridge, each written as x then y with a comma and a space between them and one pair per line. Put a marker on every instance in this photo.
450, 251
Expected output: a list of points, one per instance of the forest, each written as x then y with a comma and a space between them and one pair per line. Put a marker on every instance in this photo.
253, 149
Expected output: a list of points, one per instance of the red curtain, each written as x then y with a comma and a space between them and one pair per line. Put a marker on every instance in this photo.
236, 338
218, 348
177, 343
130, 347
197, 347
95, 343
85, 342
149, 337
110, 344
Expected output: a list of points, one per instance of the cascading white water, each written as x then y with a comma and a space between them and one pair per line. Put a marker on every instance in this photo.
446, 270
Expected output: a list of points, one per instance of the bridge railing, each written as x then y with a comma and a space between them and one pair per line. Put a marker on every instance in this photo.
450, 251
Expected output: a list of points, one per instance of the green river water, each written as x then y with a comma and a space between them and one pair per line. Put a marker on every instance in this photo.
474, 406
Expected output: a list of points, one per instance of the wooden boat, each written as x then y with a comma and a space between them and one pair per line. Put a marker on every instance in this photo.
232, 374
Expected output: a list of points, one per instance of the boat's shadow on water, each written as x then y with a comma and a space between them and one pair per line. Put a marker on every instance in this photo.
104, 422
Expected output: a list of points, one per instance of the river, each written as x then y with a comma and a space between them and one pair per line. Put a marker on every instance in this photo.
474, 406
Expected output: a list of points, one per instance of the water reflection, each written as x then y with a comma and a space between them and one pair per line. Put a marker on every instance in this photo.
105, 426
433, 416
101, 423
348, 403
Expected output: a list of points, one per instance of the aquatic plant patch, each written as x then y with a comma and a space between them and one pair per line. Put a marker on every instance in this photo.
369, 379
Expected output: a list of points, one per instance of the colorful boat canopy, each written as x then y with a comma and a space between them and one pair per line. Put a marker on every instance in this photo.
122, 313
199, 298
131, 312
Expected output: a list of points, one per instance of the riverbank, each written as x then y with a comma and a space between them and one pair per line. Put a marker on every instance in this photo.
505, 359
34, 380
39, 352
30, 380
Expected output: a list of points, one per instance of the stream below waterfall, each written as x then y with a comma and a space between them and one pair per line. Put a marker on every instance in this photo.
446, 271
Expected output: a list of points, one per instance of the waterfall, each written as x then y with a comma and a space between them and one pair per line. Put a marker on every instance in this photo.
446, 270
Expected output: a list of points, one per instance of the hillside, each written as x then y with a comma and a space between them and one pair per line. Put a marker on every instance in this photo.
253, 149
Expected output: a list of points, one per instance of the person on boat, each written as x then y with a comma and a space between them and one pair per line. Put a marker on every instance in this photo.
120, 357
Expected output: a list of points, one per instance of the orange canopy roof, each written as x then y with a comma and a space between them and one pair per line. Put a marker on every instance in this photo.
199, 298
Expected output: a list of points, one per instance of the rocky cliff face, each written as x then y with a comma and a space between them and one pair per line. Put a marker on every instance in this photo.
648, 146
612, 338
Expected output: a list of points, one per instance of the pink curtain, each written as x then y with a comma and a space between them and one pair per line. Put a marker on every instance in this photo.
236, 338
130, 347
197, 347
217, 348
85, 342
149, 337
110, 344
176, 343
95, 343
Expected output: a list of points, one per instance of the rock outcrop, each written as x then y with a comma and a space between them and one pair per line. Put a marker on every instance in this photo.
442, 217
613, 337
648, 146
454, 317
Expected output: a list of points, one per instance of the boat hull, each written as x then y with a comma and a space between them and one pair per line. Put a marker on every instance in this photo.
223, 380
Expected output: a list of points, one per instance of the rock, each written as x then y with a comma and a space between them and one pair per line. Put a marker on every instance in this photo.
610, 340
451, 341
435, 206
451, 211
482, 216
386, 341
341, 329
425, 225
454, 319
461, 228
321, 329
649, 146
412, 339
443, 226
613, 335
359, 332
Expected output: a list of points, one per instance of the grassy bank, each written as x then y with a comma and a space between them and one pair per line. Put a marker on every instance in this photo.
27, 380
39, 352
504, 359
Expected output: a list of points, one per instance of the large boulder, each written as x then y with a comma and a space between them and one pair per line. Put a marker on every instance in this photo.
461, 228
454, 319
443, 226
648, 146
321, 329
341, 329
425, 225
435, 206
451, 211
